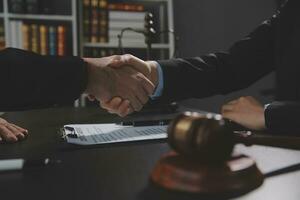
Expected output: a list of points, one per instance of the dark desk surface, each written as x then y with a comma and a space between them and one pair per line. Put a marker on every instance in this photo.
113, 172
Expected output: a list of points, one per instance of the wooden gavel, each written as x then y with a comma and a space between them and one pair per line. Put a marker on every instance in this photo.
211, 138
204, 163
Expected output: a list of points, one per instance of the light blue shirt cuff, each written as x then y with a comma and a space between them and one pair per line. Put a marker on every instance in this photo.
160, 86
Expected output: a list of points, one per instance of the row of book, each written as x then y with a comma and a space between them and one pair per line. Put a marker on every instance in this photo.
2, 36
103, 22
39, 38
95, 20
39, 6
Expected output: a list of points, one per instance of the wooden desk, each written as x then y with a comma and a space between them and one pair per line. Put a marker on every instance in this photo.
112, 172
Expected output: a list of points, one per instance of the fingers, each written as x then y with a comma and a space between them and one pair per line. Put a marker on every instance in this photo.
111, 105
124, 109
147, 85
16, 132
12, 133
142, 95
133, 61
6, 134
24, 131
117, 106
227, 108
117, 61
233, 102
135, 102
136, 63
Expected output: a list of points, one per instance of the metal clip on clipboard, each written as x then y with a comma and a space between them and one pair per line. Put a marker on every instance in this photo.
64, 134
91, 134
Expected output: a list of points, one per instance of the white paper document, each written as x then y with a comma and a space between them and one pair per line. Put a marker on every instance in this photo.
90, 134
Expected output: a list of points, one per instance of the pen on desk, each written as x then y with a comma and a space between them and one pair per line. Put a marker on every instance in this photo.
21, 164
147, 123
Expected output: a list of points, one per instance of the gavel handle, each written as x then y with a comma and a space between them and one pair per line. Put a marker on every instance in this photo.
249, 138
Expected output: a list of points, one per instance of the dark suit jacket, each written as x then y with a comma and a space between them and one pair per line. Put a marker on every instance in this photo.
29, 80
273, 46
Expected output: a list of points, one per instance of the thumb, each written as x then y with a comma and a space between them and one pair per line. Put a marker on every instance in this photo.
137, 64
117, 61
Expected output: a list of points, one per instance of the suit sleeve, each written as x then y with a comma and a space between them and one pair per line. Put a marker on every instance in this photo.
246, 61
283, 117
30, 81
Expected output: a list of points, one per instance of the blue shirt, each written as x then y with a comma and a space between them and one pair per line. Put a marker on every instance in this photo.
160, 86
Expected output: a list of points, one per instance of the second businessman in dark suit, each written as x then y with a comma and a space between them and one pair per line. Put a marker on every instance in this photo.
273, 46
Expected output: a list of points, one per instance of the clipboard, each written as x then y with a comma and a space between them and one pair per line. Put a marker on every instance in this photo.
95, 134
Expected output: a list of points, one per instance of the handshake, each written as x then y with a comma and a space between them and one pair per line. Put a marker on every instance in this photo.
121, 83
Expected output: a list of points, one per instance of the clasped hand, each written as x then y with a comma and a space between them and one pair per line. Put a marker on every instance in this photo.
122, 84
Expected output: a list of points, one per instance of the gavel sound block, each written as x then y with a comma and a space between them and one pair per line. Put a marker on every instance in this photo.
203, 161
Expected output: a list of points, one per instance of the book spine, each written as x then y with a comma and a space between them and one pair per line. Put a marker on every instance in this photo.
19, 34
2, 36
12, 27
86, 20
103, 4
94, 21
34, 38
61, 40
103, 21
52, 41
43, 40
26, 37
126, 6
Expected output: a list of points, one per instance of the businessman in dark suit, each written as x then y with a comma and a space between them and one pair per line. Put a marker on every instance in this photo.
273, 46
29, 80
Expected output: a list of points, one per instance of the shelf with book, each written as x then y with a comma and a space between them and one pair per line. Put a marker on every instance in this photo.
40, 17
102, 21
40, 22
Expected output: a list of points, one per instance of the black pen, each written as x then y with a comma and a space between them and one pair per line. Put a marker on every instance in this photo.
147, 123
21, 164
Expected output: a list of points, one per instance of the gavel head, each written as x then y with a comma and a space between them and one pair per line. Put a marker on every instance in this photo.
204, 137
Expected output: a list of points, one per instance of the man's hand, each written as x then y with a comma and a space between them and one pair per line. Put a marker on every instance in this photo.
11, 132
105, 82
149, 69
245, 111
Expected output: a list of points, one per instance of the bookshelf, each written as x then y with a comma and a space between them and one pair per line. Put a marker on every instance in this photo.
40, 17
163, 47
71, 20
165, 21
